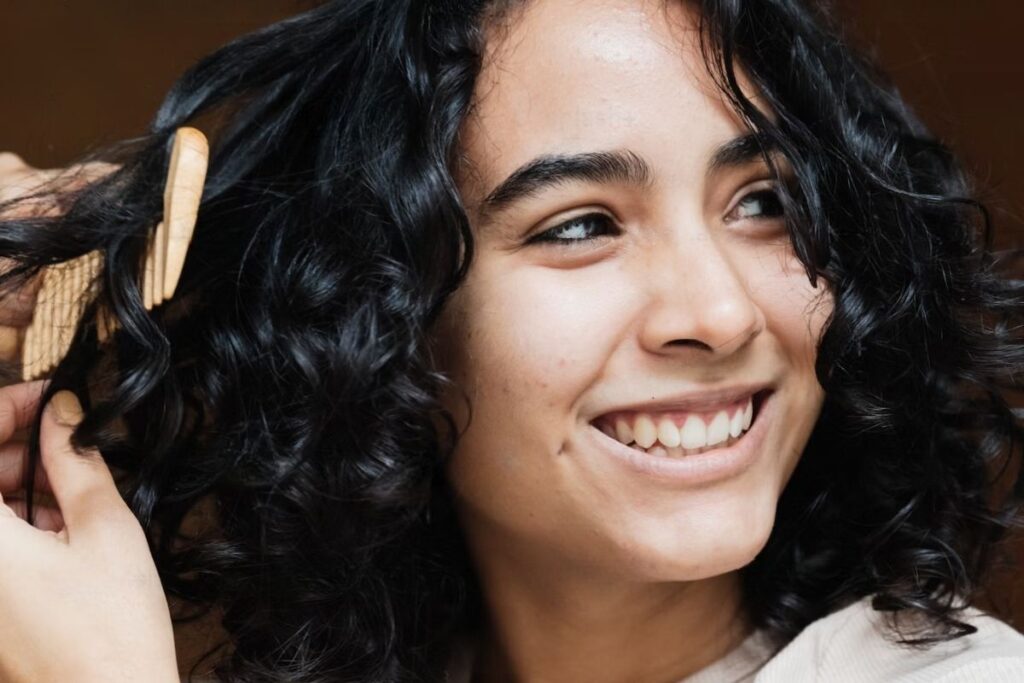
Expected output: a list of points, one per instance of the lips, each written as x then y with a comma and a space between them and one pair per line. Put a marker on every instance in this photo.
702, 401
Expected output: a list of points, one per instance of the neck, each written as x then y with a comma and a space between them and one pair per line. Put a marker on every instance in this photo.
551, 623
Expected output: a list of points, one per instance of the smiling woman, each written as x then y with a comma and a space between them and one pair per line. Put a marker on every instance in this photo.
633, 281
633, 340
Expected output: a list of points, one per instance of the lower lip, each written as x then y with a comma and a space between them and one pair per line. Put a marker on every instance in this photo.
701, 468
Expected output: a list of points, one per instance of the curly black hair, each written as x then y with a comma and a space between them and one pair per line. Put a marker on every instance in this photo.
288, 391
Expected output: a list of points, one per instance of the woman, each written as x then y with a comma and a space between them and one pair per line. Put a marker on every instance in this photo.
532, 340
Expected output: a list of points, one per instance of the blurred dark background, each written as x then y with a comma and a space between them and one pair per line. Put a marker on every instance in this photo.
76, 75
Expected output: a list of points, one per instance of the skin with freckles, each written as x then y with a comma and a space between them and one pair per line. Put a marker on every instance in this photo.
685, 283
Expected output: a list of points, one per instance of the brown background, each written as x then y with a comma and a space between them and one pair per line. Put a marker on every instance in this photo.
74, 75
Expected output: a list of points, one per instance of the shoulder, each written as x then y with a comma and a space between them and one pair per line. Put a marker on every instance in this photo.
855, 645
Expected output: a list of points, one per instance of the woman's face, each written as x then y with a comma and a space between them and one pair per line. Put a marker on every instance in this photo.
644, 284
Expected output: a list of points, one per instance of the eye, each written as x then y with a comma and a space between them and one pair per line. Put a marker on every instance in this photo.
763, 204
579, 229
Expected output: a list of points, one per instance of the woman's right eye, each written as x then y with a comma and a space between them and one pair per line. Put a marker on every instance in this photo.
577, 230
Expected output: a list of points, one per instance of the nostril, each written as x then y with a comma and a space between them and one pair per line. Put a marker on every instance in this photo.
686, 343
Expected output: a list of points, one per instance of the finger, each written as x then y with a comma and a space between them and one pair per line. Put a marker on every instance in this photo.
18, 178
40, 192
9, 161
18, 405
29, 189
87, 172
57, 180
18, 305
45, 517
10, 337
81, 481
13, 461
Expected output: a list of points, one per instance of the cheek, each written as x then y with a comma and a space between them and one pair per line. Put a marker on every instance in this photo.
525, 344
795, 312
532, 336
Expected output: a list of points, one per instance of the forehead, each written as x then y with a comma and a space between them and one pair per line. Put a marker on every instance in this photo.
576, 76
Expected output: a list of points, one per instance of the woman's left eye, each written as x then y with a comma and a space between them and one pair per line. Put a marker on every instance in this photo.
759, 204
577, 230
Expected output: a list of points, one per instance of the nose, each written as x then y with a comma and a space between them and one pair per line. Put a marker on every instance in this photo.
698, 300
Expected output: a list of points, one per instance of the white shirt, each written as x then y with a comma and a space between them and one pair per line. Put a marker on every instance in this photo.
851, 646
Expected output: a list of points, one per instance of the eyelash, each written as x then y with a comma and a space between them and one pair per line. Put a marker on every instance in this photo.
591, 219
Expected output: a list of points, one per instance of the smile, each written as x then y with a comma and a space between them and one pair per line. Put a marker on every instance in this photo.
719, 458
682, 433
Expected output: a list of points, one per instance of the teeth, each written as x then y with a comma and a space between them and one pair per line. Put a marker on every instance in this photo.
718, 430
736, 423
694, 433
623, 432
679, 451
647, 431
644, 432
668, 433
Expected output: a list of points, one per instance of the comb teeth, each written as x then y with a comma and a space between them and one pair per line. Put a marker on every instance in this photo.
160, 263
45, 298
64, 304
148, 274
59, 305
65, 287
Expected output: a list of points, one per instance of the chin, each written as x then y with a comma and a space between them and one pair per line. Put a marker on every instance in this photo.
721, 539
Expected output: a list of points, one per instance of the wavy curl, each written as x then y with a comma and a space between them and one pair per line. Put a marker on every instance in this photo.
289, 394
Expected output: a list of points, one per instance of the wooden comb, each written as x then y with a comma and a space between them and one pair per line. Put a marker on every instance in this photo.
63, 292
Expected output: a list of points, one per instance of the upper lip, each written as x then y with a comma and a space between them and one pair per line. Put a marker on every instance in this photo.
694, 401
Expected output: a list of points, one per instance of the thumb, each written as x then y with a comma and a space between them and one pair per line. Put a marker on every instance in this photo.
80, 480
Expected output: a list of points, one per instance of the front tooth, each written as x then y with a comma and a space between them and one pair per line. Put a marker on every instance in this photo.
718, 430
668, 433
644, 431
623, 432
748, 414
736, 424
694, 433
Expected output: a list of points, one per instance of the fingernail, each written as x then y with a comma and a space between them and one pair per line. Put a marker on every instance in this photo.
66, 408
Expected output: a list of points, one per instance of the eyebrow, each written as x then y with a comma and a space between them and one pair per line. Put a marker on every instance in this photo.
613, 166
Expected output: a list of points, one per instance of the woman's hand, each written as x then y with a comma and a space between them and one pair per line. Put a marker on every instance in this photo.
80, 597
